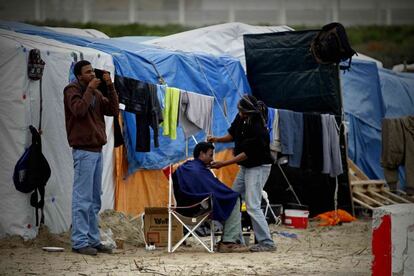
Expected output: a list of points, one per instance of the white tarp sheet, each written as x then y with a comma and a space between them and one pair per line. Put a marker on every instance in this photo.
19, 107
216, 40
83, 32
222, 39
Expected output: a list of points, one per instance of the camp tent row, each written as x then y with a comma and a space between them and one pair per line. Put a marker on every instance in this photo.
127, 186
129, 191
370, 94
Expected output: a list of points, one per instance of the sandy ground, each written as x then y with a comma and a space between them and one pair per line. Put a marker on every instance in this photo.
337, 250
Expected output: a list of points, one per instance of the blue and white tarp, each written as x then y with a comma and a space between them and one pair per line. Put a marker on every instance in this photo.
371, 94
219, 76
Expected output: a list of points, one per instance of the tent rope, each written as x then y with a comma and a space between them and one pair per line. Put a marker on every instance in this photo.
211, 89
160, 78
232, 79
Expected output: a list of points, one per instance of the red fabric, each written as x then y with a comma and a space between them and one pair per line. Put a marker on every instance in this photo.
167, 171
334, 217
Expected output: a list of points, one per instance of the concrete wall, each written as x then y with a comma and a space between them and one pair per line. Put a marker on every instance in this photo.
204, 12
393, 240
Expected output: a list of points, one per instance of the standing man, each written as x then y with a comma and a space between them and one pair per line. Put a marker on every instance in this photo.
85, 107
252, 153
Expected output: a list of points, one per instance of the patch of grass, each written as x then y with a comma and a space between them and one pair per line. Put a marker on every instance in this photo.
118, 30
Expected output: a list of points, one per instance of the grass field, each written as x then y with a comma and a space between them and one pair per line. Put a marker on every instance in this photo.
389, 44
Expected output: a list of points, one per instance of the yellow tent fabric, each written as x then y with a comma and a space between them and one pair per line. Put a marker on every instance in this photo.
149, 188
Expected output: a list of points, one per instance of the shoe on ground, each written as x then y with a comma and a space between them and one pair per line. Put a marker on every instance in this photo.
232, 248
103, 249
87, 250
262, 248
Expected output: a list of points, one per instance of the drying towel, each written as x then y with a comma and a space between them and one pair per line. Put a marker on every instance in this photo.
170, 114
196, 112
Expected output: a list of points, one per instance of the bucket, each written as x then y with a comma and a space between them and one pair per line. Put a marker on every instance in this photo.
296, 218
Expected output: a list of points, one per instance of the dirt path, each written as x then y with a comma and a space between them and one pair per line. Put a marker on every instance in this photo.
339, 250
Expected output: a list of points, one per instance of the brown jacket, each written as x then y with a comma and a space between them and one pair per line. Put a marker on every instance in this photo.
84, 115
398, 149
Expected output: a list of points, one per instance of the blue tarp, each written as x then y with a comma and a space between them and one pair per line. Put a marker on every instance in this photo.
220, 76
371, 94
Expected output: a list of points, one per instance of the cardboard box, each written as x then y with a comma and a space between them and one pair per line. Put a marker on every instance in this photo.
156, 227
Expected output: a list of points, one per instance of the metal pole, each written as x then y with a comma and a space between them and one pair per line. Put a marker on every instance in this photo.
132, 8
86, 11
38, 10
282, 12
181, 12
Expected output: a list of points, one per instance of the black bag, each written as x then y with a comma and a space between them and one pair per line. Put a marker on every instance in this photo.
331, 45
32, 172
35, 65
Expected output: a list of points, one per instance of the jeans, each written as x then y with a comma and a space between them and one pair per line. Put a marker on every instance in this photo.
86, 198
249, 183
232, 226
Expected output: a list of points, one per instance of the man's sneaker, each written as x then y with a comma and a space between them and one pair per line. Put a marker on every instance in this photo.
262, 248
87, 250
231, 248
103, 249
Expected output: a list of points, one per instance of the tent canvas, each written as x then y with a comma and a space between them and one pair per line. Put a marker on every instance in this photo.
282, 73
216, 40
380, 93
19, 107
219, 76
80, 32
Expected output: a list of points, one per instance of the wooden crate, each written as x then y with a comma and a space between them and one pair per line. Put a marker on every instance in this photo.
370, 193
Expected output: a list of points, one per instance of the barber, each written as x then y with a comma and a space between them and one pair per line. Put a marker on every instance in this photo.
251, 152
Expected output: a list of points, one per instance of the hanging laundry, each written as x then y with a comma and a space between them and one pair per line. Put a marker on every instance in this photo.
291, 135
141, 98
118, 138
269, 123
398, 149
132, 93
312, 158
172, 98
161, 95
274, 145
332, 163
196, 112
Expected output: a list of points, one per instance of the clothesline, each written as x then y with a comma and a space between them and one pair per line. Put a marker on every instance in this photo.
155, 105
310, 140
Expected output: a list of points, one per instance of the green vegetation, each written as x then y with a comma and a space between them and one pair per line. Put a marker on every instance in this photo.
389, 44
119, 30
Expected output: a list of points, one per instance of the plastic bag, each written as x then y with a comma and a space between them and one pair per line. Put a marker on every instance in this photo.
107, 238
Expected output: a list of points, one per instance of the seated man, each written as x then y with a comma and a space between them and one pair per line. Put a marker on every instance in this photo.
196, 181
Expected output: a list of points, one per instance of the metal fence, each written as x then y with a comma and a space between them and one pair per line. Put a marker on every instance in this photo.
205, 12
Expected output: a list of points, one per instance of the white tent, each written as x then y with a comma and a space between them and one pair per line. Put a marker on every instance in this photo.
223, 39
83, 32
19, 107
216, 40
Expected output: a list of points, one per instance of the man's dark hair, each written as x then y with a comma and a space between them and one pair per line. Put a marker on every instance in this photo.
202, 147
77, 69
